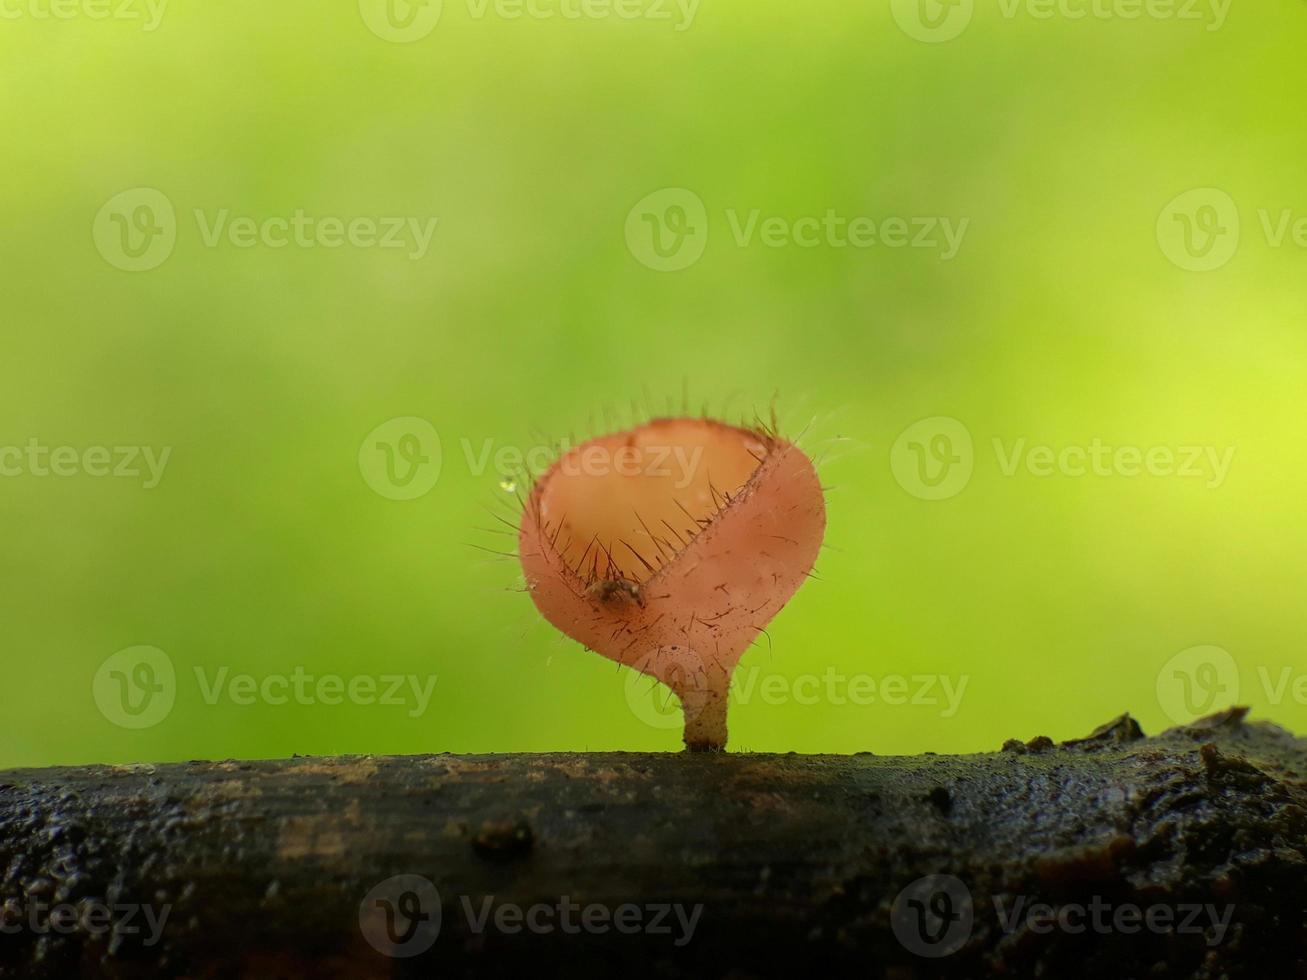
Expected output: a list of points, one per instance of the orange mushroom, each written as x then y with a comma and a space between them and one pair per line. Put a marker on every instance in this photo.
669, 547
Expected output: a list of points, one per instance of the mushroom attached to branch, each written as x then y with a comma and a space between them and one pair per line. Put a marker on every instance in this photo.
669, 547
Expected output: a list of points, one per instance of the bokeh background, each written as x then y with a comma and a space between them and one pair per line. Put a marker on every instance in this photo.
1092, 297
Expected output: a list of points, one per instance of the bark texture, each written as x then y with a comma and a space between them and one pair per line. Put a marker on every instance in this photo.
284, 868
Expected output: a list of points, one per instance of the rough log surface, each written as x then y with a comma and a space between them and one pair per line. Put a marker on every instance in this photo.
796, 860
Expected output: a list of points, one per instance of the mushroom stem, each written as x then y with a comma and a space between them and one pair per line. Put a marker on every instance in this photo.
705, 718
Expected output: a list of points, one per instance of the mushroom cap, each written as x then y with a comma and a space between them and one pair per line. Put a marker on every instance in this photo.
669, 547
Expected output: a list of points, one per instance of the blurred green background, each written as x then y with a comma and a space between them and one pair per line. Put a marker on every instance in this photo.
1082, 304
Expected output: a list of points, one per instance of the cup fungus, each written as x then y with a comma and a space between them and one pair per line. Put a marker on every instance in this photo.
669, 547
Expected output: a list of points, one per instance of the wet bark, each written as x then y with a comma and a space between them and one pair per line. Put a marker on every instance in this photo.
812, 863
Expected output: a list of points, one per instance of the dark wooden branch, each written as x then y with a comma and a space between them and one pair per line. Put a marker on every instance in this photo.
797, 862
